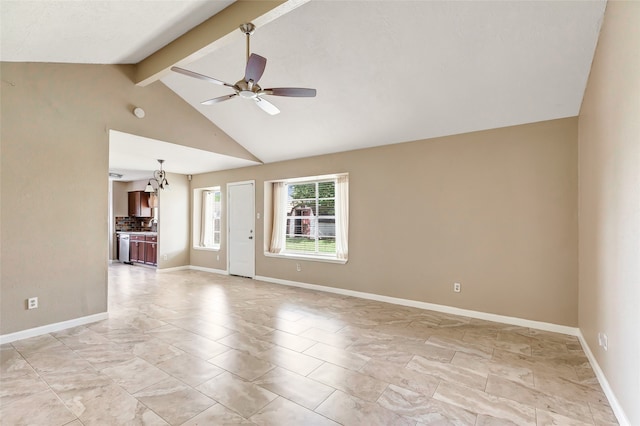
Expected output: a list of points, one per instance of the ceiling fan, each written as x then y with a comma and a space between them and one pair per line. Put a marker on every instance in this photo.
247, 87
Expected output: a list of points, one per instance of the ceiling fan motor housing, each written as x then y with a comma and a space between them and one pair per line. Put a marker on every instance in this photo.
247, 90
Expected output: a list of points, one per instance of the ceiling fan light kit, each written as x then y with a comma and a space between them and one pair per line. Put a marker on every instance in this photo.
247, 87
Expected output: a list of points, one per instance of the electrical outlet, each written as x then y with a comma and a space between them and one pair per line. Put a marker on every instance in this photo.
32, 303
298, 267
165, 257
603, 341
218, 257
456, 287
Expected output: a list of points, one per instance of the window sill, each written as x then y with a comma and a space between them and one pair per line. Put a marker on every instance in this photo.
307, 257
206, 248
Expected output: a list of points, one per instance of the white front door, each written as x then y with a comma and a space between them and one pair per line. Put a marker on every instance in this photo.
241, 224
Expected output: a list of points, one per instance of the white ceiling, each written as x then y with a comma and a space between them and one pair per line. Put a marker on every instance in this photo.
135, 157
396, 71
96, 31
386, 71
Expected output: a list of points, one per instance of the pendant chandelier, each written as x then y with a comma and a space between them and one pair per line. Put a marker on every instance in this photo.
160, 178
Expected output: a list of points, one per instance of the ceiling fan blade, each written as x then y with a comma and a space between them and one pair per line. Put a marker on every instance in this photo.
200, 76
255, 68
267, 106
297, 92
219, 99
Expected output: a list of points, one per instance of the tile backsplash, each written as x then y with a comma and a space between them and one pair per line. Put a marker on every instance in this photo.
135, 224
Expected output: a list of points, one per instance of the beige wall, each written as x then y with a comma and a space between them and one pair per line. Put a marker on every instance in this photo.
609, 207
494, 210
54, 186
174, 223
120, 199
119, 208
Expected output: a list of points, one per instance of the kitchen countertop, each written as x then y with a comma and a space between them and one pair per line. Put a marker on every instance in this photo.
137, 232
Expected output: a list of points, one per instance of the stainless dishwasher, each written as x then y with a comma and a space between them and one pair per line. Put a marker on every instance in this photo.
124, 248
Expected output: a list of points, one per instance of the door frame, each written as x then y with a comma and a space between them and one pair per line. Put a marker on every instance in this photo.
253, 218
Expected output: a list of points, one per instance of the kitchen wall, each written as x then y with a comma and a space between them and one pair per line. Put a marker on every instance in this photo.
120, 208
494, 210
173, 218
134, 224
54, 184
174, 223
120, 198
173, 213
609, 161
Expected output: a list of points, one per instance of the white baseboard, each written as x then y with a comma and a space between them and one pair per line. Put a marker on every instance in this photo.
556, 328
51, 328
604, 383
214, 271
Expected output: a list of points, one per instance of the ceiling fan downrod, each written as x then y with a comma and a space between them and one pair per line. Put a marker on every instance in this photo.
248, 29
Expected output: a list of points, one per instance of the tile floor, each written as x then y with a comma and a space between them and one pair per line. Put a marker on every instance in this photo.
193, 348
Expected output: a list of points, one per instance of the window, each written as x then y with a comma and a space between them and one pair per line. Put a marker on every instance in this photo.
207, 218
310, 217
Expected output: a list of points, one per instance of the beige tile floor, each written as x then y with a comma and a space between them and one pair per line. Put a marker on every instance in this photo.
193, 348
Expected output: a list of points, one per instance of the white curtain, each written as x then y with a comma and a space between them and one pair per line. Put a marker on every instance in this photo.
279, 217
205, 221
342, 217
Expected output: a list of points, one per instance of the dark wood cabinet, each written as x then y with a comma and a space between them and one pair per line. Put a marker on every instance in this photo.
137, 247
134, 250
144, 249
139, 204
151, 250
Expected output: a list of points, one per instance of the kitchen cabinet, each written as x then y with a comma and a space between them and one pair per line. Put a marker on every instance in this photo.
151, 250
137, 247
139, 204
143, 249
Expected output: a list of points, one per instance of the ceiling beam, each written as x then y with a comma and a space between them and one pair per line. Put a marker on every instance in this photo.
210, 35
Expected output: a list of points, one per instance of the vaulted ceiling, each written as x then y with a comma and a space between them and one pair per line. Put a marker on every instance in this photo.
385, 71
